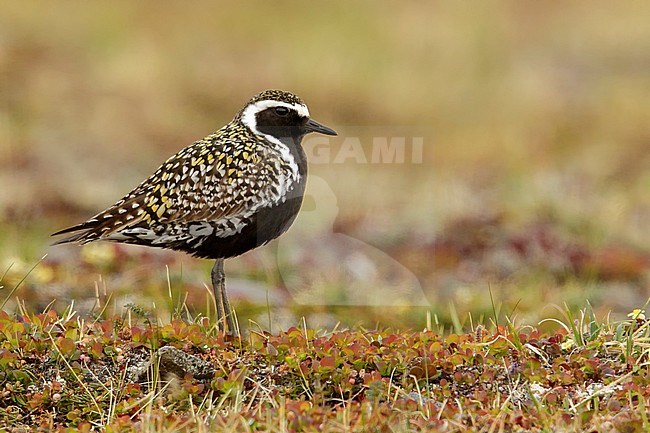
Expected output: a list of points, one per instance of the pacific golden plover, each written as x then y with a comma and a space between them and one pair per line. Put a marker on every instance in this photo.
222, 196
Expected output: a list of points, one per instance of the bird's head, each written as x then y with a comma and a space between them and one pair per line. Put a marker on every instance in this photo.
280, 115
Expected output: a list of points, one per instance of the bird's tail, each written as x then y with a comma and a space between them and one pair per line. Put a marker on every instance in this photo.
84, 233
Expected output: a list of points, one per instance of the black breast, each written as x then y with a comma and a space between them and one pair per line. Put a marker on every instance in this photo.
266, 224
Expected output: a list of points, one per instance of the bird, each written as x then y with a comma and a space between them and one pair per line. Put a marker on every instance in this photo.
222, 196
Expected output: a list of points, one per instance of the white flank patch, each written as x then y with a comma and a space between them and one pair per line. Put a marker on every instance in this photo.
232, 225
166, 239
130, 233
117, 237
201, 229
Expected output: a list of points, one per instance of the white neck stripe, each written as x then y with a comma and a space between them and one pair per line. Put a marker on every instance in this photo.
248, 118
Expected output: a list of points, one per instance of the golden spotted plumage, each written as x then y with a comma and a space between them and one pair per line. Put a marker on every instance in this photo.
225, 194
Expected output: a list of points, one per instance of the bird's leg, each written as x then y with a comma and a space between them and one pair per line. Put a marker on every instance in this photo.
219, 280
225, 316
230, 314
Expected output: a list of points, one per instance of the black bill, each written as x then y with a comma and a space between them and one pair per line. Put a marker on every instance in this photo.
313, 126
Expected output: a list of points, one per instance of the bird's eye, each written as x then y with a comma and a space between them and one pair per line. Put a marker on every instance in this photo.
281, 111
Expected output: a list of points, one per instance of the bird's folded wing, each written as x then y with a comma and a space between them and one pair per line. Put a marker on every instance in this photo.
181, 191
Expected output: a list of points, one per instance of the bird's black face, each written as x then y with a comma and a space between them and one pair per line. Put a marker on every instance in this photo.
280, 122
284, 122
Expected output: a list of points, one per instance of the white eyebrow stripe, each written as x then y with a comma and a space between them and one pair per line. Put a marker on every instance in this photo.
248, 116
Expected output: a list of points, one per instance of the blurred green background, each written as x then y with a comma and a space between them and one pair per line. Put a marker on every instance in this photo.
534, 182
